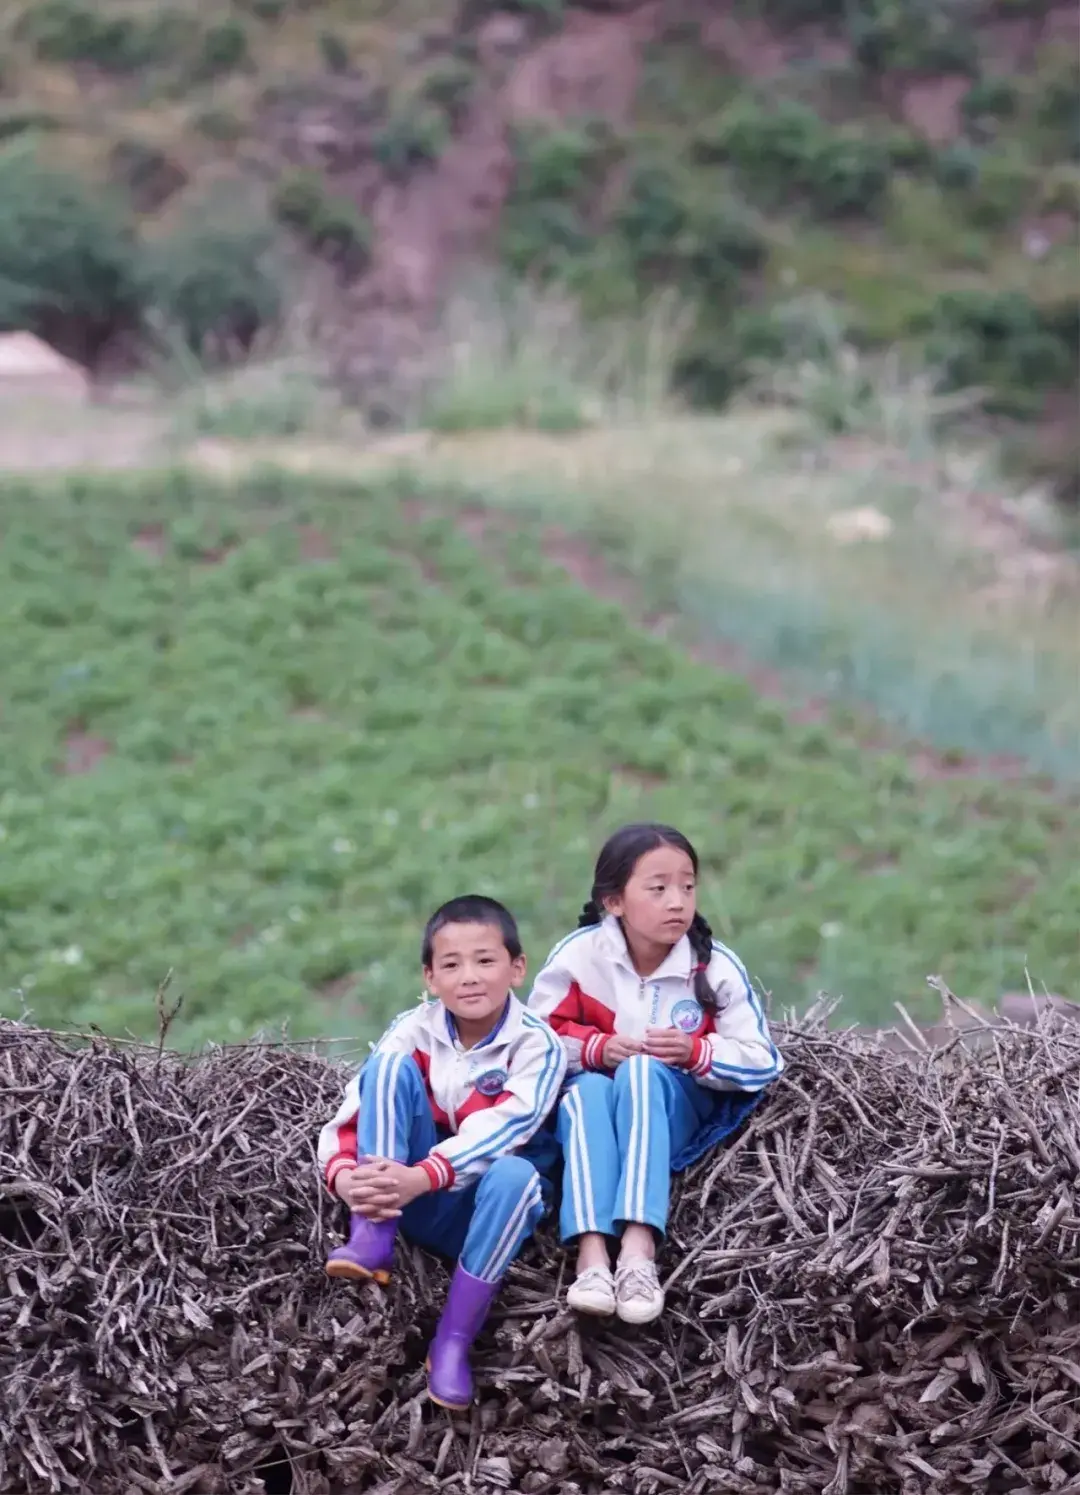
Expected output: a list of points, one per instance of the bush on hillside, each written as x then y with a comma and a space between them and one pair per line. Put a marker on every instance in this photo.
334, 51
1057, 105
326, 222
266, 10
990, 100
212, 281
222, 49
1002, 341
16, 119
920, 36
673, 232
546, 13
449, 85
414, 136
68, 256
73, 32
784, 151
913, 36
147, 174
559, 174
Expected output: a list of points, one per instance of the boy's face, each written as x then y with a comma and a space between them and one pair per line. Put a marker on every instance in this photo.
472, 971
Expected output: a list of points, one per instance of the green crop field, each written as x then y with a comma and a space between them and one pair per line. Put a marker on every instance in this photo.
253, 735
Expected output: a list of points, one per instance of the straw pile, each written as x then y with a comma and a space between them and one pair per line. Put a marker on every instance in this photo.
876, 1288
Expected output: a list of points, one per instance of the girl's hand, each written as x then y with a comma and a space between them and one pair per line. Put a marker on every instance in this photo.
617, 1049
670, 1046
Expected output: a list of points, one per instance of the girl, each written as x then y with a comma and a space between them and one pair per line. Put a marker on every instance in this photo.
668, 1052
438, 1133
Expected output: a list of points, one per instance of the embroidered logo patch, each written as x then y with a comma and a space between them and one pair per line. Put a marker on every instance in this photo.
687, 1015
491, 1082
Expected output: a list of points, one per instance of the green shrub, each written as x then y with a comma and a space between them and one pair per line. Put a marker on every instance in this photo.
68, 258
449, 85
806, 12
1002, 341
992, 186
1003, 190
147, 174
70, 32
990, 100
913, 36
674, 231
212, 279
548, 12
543, 241
220, 125
786, 150
17, 120
327, 223
1059, 190
719, 358
568, 161
559, 174
266, 10
222, 49
334, 52
414, 136
956, 166
1057, 110
906, 150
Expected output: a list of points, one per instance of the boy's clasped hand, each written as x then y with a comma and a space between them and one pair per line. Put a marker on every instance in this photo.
381, 1189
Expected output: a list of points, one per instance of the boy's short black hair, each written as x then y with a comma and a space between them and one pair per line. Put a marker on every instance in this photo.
472, 908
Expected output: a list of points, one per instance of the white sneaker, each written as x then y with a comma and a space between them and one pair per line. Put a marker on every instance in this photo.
593, 1291
639, 1298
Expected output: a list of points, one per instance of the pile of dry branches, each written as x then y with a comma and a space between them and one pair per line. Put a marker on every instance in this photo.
876, 1288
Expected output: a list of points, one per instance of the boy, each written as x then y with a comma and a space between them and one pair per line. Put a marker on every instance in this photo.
440, 1132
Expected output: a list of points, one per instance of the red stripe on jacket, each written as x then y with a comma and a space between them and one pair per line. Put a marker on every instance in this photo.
585, 1020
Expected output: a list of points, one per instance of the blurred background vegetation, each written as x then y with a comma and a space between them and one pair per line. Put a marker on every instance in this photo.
735, 358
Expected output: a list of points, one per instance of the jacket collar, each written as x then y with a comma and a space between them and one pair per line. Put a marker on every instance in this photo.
678, 962
509, 1015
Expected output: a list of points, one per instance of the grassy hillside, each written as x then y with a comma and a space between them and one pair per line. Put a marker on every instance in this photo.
919, 162
254, 734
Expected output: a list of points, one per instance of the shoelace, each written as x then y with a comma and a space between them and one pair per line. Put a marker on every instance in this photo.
638, 1281
594, 1276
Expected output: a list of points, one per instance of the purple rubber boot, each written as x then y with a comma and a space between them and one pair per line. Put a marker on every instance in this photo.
368, 1254
450, 1380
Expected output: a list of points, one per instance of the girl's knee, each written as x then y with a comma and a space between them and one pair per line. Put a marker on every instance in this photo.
588, 1092
512, 1175
639, 1067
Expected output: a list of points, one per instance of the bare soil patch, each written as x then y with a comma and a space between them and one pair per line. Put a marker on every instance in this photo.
83, 752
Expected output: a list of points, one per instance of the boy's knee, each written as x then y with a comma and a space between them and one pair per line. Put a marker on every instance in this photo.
512, 1175
402, 1069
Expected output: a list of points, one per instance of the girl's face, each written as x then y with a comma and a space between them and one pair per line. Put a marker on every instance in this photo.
660, 898
472, 971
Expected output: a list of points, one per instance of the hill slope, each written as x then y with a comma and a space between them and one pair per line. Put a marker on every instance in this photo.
920, 162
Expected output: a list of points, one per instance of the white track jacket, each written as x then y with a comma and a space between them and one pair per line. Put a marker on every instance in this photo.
490, 1099
589, 990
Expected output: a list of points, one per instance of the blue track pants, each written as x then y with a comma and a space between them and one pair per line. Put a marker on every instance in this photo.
619, 1134
483, 1225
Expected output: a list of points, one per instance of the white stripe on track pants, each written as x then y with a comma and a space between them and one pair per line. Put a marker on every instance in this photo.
618, 1134
485, 1224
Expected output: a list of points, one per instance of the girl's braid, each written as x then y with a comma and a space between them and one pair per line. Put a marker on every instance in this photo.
701, 942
